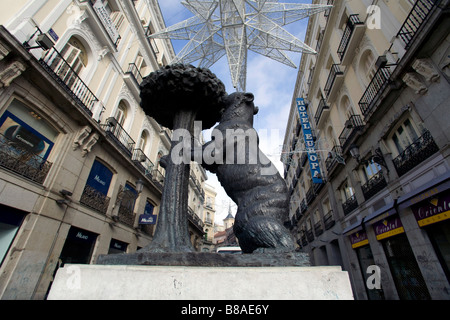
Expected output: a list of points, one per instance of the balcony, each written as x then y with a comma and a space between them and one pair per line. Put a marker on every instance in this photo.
328, 220
351, 38
303, 207
369, 99
420, 150
101, 22
334, 81
318, 230
374, 185
94, 199
309, 235
310, 195
334, 157
158, 178
54, 63
144, 164
353, 126
415, 20
350, 204
195, 183
120, 137
17, 158
322, 110
195, 220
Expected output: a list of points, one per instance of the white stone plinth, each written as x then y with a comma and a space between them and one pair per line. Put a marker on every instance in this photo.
103, 282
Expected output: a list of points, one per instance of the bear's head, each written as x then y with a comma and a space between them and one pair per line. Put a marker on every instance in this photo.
239, 106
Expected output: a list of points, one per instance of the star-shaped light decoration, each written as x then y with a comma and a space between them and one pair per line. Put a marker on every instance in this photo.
232, 27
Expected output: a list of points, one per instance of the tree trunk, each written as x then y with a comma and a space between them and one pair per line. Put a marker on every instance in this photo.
172, 233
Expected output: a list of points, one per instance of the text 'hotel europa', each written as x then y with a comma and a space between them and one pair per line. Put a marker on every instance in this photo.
309, 142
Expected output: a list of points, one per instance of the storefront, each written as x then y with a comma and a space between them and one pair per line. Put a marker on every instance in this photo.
78, 247
117, 246
405, 271
360, 244
10, 222
431, 209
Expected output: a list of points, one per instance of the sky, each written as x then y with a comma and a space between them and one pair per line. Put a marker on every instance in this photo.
272, 84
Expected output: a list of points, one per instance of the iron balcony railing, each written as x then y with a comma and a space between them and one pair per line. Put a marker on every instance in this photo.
134, 71
352, 126
375, 184
144, 164
328, 220
420, 150
333, 158
303, 206
309, 235
105, 19
415, 20
334, 72
379, 82
328, 11
322, 106
198, 186
352, 21
318, 230
195, 220
17, 158
349, 205
158, 178
94, 199
118, 134
55, 64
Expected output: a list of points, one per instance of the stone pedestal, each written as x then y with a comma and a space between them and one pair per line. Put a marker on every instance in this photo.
110, 282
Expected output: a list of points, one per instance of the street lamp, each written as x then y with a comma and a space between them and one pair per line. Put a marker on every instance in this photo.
139, 185
377, 157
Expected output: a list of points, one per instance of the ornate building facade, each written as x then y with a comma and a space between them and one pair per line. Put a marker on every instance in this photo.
79, 162
376, 97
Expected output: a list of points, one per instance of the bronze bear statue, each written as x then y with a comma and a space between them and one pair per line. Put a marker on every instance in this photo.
249, 178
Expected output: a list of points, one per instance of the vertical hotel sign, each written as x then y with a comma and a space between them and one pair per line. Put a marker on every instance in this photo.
309, 142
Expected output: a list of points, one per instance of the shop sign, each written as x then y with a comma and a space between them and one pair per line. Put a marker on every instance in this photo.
147, 219
388, 227
309, 142
100, 177
359, 239
435, 209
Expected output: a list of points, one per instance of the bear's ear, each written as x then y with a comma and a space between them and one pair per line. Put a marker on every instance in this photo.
249, 97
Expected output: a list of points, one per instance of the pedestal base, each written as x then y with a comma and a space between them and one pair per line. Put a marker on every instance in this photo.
111, 282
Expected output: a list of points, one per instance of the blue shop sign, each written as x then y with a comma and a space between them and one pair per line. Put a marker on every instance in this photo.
100, 177
309, 142
147, 219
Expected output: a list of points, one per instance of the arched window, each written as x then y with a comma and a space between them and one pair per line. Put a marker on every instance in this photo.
346, 108
71, 62
367, 67
121, 113
143, 141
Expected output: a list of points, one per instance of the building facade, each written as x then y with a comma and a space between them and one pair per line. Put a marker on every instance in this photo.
79, 163
209, 213
376, 97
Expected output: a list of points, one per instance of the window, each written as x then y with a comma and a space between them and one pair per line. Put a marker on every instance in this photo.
404, 136
367, 67
149, 208
121, 113
371, 169
143, 141
26, 133
347, 191
71, 63
97, 186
